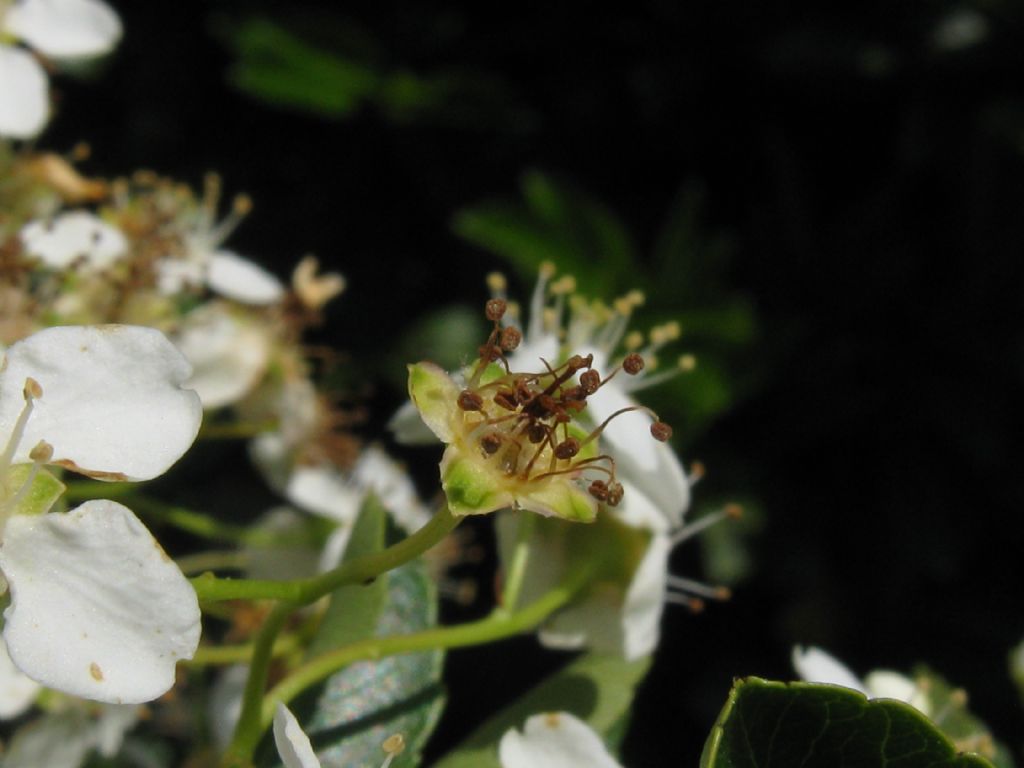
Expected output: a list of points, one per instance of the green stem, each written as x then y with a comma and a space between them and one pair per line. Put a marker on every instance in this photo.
213, 560
361, 570
499, 625
248, 731
222, 655
235, 430
83, 490
520, 557
293, 595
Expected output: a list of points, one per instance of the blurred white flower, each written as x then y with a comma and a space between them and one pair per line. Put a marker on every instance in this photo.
58, 30
64, 739
554, 740
74, 237
816, 666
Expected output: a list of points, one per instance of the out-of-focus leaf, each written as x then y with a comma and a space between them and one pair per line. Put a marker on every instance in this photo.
949, 712
362, 705
354, 611
559, 223
825, 726
596, 688
279, 67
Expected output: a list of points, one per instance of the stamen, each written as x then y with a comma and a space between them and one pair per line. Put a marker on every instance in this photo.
393, 746
695, 604
730, 512
698, 588
31, 392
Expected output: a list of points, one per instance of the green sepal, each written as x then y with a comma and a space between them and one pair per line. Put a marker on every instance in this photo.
825, 726
42, 495
435, 396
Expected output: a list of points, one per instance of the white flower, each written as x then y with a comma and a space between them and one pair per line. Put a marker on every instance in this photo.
74, 237
97, 608
554, 740
57, 29
816, 666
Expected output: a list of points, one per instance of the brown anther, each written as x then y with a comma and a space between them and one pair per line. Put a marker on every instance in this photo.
547, 404
661, 431
42, 452
733, 511
495, 309
32, 389
506, 398
470, 401
536, 433
599, 490
572, 396
633, 364
575, 363
615, 493
590, 381
567, 448
490, 442
510, 338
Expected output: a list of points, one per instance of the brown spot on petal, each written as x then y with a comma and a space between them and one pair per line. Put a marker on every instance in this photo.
95, 474
96, 672
552, 720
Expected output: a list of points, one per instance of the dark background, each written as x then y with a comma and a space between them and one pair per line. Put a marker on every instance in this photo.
870, 185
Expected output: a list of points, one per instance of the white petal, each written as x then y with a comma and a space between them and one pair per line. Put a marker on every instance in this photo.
242, 280
815, 666
65, 29
72, 237
112, 403
532, 350
324, 491
17, 690
24, 98
97, 609
378, 472
175, 275
666, 486
228, 356
226, 703
645, 600
292, 744
554, 740
628, 433
59, 740
114, 722
886, 684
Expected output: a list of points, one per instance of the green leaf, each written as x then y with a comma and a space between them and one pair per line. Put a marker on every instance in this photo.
558, 223
359, 707
825, 726
597, 688
354, 611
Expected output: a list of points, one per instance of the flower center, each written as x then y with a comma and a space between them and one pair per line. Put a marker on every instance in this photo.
526, 423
